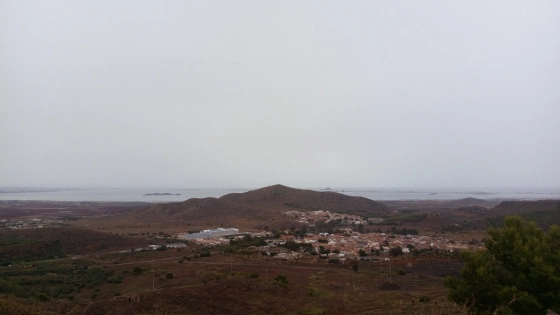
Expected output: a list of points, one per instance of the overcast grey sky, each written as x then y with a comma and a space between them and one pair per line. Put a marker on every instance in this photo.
303, 93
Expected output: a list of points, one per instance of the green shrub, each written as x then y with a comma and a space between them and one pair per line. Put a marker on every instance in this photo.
43, 297
281, 279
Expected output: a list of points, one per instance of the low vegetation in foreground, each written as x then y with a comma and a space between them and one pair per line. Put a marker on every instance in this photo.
519, 273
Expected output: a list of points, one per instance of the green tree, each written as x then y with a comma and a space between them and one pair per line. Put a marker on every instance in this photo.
291, 245
355, 265
395, 251
360, 228
519, 273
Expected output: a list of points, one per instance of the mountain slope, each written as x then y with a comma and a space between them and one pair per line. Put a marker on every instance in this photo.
192, 209
47, 243
264, 204
519, 207
279, 196
543, 212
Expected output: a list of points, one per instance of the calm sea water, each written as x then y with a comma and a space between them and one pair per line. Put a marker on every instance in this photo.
454, 193
130, 195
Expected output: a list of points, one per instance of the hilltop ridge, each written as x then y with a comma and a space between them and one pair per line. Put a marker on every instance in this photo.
280, 196
263, 204
523, 206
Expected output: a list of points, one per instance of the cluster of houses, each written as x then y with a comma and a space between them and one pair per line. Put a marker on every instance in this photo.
350, 243
219, 232
6, 224
326, 216
153, 247
346, 244
211, 237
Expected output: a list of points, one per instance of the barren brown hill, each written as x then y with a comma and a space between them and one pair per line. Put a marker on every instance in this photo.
519, 207
543, 212
192, 209
472, 202
282, 197
264, 204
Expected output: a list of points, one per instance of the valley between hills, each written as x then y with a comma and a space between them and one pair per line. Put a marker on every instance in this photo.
297, 252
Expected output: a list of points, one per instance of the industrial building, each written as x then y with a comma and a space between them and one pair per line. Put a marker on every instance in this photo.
208, 233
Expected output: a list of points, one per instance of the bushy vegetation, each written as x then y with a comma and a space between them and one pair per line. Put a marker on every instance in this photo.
27, 250
542, 219
12, 307
51, 243
405, 217
403, 231
324, 251
328, 227
293, 246
247, 241
49, 280
395, 251
281, 280
517, 274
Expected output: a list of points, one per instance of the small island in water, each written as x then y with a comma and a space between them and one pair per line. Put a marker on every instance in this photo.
162, 194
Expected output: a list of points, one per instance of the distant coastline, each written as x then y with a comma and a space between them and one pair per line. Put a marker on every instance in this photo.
169, 194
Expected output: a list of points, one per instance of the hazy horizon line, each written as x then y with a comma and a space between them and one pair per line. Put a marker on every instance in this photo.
325, 187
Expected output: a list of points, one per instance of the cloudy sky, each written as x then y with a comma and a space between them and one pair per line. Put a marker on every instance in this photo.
303, 93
